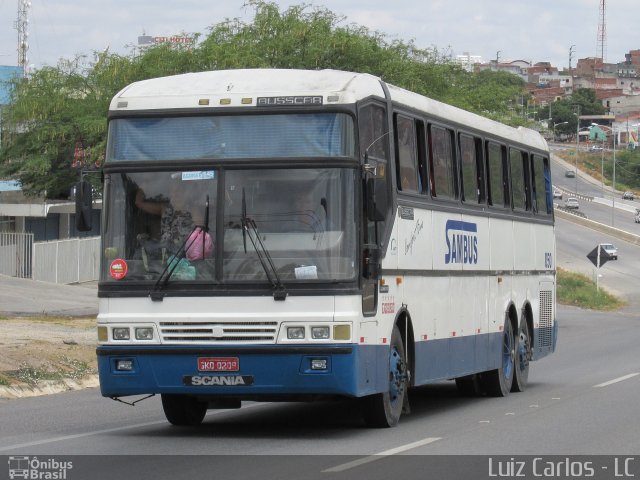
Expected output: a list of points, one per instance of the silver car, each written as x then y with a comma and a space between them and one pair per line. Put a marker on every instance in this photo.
571, 202
611, 250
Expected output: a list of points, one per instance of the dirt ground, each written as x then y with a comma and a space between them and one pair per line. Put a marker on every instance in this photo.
38, 349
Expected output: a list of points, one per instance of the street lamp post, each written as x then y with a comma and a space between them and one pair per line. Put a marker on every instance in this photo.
554, 128
601, 157
613, 181
577, 143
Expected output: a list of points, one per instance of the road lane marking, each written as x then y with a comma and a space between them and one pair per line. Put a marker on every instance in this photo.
380, 455
616, 380
106, 430
77, 435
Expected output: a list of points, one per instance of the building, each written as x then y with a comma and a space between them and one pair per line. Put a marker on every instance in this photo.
468, 61
46, 219
7, 73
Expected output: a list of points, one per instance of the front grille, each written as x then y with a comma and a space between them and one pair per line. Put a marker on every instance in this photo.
218, 332
546, 318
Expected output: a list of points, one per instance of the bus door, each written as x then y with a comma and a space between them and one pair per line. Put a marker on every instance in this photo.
374, 149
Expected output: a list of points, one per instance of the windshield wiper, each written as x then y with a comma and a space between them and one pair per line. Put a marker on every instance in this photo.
250, 229
157, 293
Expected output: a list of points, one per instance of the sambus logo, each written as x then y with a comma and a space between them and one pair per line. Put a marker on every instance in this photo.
462, 242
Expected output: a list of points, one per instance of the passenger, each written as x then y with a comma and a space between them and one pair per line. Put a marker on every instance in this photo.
177, 221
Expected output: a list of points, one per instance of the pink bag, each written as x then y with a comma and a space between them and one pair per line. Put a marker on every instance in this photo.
195, 250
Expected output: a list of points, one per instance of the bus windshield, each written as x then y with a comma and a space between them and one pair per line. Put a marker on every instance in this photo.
243, 136
215, 226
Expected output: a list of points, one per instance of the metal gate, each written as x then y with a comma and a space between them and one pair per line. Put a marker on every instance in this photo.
16, 254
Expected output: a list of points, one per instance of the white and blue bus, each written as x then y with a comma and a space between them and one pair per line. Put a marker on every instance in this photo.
278, 235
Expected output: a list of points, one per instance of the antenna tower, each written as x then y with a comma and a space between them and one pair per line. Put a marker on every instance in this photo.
602, 31
23, 35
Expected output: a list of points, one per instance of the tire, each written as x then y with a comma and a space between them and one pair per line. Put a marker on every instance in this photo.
522, 357
497, 383
383, 410
182, 410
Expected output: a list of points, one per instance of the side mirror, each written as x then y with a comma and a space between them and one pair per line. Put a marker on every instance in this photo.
376, 199
370, 261
84, 204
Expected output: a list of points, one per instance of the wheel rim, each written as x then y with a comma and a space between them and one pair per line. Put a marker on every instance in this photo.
396, 376
523, 350
507, 354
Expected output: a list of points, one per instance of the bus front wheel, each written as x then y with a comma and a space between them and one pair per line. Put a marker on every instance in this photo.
182, 410
383, 410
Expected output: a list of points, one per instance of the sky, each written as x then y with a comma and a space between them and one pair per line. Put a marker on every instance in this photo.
536, 31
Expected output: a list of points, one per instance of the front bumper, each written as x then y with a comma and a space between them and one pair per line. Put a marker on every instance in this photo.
269, 370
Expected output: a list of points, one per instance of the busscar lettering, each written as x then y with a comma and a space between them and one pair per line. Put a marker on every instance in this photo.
289, 101
462, 242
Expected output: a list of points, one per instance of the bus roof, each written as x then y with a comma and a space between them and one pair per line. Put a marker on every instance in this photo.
242, 87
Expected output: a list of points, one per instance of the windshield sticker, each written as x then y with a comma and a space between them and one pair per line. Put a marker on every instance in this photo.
203, 175
309, 272
118, 269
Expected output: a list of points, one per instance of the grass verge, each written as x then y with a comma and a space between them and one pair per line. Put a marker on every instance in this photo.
63, 368
579, 291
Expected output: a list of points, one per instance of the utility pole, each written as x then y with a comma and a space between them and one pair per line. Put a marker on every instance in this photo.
571, 50
21, 26
570, 72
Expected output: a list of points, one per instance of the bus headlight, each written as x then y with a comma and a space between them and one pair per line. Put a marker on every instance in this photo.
295, 333
320, 333
144, 333
121, 333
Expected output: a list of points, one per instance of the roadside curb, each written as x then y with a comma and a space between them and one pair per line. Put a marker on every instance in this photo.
599, 227
47, 387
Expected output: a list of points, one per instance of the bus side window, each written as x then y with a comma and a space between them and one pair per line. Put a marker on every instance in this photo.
542, 200
520, 179
442, 162
472, 170
407, 155
497, 175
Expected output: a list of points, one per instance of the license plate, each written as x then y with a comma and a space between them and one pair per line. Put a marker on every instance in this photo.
218, 364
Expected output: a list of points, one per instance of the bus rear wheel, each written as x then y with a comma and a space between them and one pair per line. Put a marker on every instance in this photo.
522, 358
183, 410
498, 382
383, 410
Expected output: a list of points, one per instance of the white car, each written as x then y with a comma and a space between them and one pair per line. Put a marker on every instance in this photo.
611, 250
557, 193
571, 202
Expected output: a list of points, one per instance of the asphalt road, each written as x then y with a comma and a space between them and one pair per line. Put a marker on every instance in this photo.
21, 296
581, 401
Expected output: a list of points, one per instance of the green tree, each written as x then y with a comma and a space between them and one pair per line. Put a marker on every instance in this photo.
583, 100
61, 110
